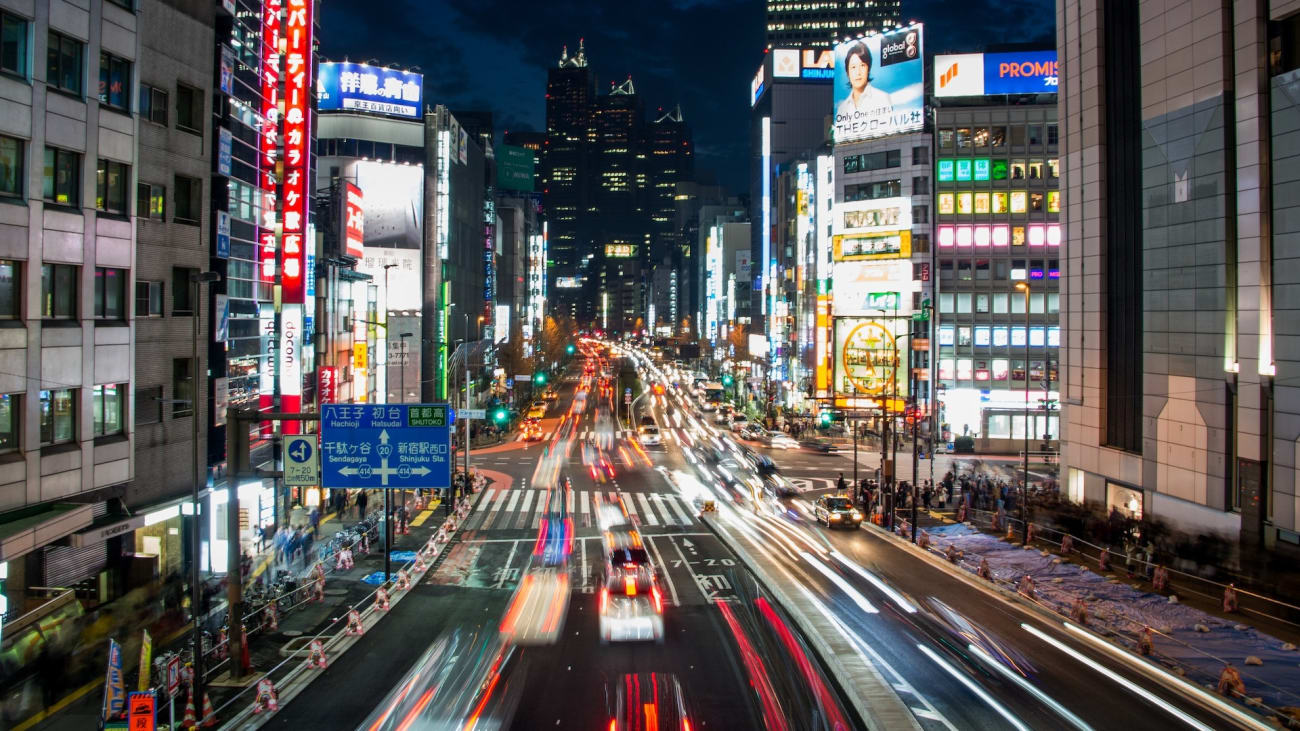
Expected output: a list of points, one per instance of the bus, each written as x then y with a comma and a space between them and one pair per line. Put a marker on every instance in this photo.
711, 395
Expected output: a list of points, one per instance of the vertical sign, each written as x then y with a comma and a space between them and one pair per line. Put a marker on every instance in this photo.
266, 373
269, 145
328, 384
225, 150
227, 82
142, 712
114, 688
354, 222
291, 364
297, 138
223, 234
146, 661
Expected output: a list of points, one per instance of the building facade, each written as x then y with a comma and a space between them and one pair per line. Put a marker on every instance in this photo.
997, 249
566, 181
820, 23
1178, 372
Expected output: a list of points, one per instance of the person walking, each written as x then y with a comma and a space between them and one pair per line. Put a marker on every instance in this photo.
841, 485
361, 505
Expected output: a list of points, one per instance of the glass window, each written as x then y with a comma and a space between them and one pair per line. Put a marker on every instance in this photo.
1035, 169
981, 136
1017, 169
963, 369
1017, 235
920, 214
963, 270
946, 335
189, 108
182, 387
1019, 201
1053, 201
114, 81
58, 416
945, 138
1037, 337
1017, 135
1053, 168
106, 408
982, 274
1053, 303
63, 63
945, 270
920, 243
13, 44
999, 337
945, 369
150, 201
965, 203
58, 291
1035, 201
62, 177
981, 203
148, 298
111, 181
963, 303
148, 404
998, 203
153, 105
999, 303
13, 164
920, 155
963, 335
187, 206
110, 293
1018, 301
246, 199
1036, 302
982, 336
947, 203
945, 302
1017, 337
999, 424
11, 289
998, 136
1035, 134
1053, 134
963, 138
921, 184
10, 421
181, 291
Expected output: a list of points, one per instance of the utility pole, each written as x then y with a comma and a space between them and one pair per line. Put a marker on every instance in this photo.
1024, 485
197, 280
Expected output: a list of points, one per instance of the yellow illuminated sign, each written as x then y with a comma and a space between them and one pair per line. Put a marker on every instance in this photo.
865, 246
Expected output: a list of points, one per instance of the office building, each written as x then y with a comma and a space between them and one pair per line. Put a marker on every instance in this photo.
1178, 302
670, 157
566, 181
821, 23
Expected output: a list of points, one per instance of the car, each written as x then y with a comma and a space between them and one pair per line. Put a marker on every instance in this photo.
648, 421
723, 415
752, 432
779, 440
777, 485
739, 422
532, 430
537, 412
818, 444
551, 395
631, 607
837, 511
647, 701
649, 435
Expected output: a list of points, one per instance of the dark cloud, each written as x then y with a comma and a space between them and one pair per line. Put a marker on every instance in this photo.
494, 54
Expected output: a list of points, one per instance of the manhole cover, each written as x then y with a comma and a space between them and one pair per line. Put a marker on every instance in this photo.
292, 633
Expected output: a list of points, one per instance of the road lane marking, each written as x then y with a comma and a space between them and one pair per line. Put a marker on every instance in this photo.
505, 569
672, 588
645, 506
514, 498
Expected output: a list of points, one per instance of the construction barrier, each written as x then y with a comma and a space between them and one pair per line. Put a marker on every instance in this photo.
266, 699
1230, 682
209, 714
403, 580
381, 599
354, 622
190, 720
316, 656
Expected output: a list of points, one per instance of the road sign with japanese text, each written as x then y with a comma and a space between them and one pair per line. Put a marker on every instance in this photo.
385, 446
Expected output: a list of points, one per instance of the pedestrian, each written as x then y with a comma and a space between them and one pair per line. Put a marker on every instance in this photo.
315, 520
361, 505
841, 485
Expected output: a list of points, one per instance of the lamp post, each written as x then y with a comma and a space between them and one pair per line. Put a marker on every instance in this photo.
1024, 484
197, 279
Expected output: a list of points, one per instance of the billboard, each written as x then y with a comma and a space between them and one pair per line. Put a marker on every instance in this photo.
756, 86
863, 288
867, 361
807, 63
354, 221
395, 195
871, 229
514, 168
879, 85
620, 251
501, 324
977, 74
359, 87
568, 283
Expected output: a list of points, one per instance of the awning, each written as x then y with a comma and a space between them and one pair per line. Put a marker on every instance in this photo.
23, 531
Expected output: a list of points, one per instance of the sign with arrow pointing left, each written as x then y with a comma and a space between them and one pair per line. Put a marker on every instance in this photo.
391, 446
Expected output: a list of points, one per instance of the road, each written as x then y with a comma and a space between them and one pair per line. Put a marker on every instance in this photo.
567, 683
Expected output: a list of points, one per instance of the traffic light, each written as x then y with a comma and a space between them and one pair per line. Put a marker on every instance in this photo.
500, 415
568, 349
539, 378
727, 380
825, 418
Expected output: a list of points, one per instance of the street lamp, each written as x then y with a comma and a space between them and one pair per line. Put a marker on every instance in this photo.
197, 279
1024, 485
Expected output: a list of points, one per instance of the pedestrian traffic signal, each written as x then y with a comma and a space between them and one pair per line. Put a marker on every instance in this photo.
569, 349
825, 418
727, 379
500, 415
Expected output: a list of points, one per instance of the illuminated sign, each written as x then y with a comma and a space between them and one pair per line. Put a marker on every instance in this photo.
297, 147
354, 222
869, 356
568, 283
620, 251
879, 85
861, 288
882, 245
269, 141
291, 364
1039, 234
871, 216
808, 63
977, 74
756, 87
328, 384
358, 87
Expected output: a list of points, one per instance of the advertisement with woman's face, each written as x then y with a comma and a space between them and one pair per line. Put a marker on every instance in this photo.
879, 85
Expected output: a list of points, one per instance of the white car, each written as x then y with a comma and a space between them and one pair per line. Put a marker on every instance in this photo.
649, 435
632, 611
780, 440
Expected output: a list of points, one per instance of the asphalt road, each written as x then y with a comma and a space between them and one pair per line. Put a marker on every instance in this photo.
567, 684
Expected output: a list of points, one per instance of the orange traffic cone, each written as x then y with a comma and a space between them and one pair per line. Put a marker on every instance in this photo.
190, 721
209, 713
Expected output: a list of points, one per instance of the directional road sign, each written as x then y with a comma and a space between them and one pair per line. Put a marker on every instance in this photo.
385, 445
473, 413
301, 461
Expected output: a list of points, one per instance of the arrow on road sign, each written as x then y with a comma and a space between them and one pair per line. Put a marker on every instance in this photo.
383, 437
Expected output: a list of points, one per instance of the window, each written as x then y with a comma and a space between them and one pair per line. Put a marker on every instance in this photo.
62, 177
1053, 134
963, 303
244, 201
999, 303
1035, 134
111, 184
148, 299
982, 303
998, 136
63, 63
106, 408
12, 166
921, 243
13, 44
110, 293
920, 155
10, 421
58, 416
982, 271
148, 405
963, 336
945, 303
11, 289
921, 185
945, 138
920, 214
963, 138
872, 191
153, 104
947, 204
187, 207
150, 201
189, 109
58, 291
981, 136
182, 387
181, 299
114, 81
1017, 136
123, 4
964, 270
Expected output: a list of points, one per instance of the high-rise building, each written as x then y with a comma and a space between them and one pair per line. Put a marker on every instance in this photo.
566, 181
617, 217
1178, 297
821, 23
670, 157
690, 198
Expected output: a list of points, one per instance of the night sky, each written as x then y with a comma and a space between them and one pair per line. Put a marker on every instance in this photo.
494, 54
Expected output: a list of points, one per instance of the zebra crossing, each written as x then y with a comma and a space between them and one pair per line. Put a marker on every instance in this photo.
583, 435
522, 508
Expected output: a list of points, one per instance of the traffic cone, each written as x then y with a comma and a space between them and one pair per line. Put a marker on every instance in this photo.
381, 599
209, 713
190, 721
354, 622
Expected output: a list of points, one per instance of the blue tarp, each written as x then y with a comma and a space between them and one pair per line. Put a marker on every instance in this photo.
1124, 610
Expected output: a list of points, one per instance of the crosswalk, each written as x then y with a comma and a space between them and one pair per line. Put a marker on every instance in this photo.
583, 435
521, 508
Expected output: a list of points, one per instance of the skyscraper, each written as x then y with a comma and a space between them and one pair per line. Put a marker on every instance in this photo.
619, 225
817, 24
570, 93
670, 160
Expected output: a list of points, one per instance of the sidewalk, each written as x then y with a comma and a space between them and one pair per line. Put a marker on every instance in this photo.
81, 708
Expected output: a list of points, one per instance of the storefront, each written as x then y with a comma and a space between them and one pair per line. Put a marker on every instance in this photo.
256, 509
1127, 500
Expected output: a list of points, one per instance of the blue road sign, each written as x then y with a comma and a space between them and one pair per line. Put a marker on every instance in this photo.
385, 445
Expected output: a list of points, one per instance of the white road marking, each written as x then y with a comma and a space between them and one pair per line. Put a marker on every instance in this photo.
645, 506
504, 571
659, 557
514, 498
